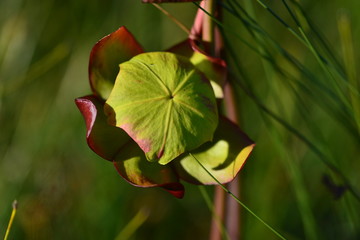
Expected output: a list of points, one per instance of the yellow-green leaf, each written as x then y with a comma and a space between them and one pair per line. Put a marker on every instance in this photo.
164, 104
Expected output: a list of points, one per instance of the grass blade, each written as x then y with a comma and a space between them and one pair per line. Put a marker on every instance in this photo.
238, 201
12, 217
211, 206
133, 225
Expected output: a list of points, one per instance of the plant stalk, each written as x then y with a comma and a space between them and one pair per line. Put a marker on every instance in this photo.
226, 209
210, 46
208, 28
218, 214
233, 208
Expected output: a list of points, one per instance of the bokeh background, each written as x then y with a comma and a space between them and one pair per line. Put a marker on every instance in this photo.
65, 191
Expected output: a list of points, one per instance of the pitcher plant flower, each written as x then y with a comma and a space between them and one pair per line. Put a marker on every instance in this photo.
149, 110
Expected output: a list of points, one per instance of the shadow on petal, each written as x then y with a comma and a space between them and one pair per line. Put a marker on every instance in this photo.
223, 157
104, 139
134, 168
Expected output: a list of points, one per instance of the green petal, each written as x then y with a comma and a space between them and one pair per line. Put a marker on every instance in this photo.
133, 167
223, 157
105, 58
164, 104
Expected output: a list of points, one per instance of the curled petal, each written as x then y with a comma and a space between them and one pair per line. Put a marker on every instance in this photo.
113, 144
133, 167
103, 139
105, 58
223, 157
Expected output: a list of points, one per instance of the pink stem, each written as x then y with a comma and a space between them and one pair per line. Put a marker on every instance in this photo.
214, 45
233, 208
211, 47
218, 215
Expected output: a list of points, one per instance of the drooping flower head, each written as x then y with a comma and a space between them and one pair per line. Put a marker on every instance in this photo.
149, 110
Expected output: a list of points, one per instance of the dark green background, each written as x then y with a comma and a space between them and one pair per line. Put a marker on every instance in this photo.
65, 191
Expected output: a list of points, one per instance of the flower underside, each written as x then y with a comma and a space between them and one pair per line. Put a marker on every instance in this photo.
160, 106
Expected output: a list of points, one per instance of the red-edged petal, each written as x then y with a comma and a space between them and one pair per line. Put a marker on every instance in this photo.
223, 157
105, 58
133, 167
104, 139
113, 144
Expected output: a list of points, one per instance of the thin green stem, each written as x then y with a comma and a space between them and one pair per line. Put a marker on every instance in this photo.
312, 80
326, 65
174, 19
133, 225
297, 133
238, 200
341, 112
290, 29
344, 26
326, 70
229, 30
293, 170
323, 64
325, 45
300, 38
12, 217
247, 89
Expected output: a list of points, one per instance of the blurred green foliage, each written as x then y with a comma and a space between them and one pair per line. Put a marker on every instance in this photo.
66, 192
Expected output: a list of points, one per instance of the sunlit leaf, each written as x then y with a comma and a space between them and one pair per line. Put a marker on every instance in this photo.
104, 139
105, 58
223, 157
164, 104
133, 167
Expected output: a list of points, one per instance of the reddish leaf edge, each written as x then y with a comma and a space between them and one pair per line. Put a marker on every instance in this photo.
193, 44
90, 107
89, 112
237, 173
176, 188
136, 47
